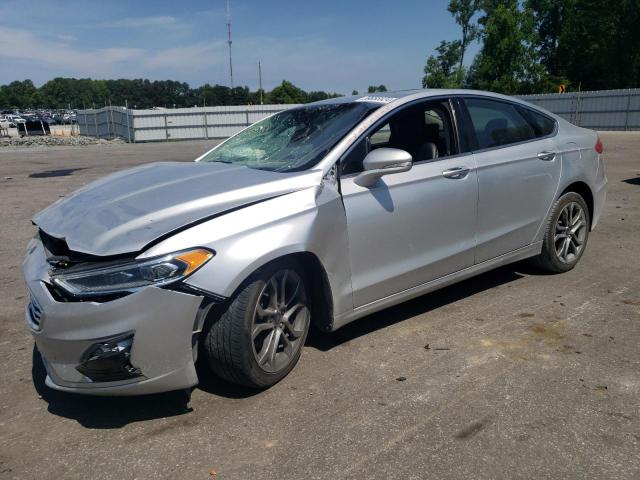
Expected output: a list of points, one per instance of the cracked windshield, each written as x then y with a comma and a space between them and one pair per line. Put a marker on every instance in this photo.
292, 140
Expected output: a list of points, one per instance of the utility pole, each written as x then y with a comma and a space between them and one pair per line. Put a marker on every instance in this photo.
229, 41
260, 80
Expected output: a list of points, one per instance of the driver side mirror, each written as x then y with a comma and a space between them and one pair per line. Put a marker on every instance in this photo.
383, 161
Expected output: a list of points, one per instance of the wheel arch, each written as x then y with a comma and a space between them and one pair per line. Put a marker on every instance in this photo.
318, 282
582, 189
321, 294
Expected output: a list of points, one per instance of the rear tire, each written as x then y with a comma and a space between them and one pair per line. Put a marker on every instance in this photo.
566, 234
258, 338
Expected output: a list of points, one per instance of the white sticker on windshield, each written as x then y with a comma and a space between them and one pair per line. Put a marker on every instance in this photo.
376, 99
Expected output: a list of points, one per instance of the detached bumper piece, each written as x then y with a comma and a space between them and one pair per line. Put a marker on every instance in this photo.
109, 361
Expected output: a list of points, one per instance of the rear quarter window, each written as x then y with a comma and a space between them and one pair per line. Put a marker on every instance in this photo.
541, 124
497, 123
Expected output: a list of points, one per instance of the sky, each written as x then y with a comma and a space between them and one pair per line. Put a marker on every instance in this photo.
335, 46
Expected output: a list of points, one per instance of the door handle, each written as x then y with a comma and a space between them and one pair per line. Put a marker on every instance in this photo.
456, 173
547, 156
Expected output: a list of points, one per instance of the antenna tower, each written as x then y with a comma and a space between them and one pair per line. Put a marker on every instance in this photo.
229, 41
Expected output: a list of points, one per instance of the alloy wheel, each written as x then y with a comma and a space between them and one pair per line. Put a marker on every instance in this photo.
280, 321
570, 232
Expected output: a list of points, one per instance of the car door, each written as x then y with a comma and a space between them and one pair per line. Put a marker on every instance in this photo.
415, 226
518, 173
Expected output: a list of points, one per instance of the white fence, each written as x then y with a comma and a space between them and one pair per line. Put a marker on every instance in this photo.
171, 124
599, 110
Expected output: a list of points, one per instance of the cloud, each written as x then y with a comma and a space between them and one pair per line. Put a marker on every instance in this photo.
312, 62
65, 37
141, 22
24, 46
39, 53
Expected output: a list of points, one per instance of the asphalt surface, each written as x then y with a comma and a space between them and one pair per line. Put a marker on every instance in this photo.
513, 374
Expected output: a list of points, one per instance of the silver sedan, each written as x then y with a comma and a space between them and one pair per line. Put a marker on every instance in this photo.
320, 214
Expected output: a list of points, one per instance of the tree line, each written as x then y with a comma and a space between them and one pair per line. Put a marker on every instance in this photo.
533, 46
62, 93
142, 93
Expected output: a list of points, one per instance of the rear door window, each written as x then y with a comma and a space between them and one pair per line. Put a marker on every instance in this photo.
497, 123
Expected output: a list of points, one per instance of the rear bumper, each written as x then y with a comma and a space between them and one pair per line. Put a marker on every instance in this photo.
163, 324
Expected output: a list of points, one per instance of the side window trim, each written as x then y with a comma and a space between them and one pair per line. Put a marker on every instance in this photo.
381, 122
470, 128
455, 145
455, 127
466, 131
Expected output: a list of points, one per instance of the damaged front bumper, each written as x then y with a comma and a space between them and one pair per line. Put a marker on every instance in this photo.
142, 343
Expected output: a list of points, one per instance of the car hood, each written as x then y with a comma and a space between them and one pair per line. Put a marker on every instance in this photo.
124, 212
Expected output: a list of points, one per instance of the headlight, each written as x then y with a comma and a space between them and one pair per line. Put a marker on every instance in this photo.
131, 276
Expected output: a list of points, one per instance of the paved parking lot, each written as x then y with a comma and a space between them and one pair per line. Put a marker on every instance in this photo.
513, 374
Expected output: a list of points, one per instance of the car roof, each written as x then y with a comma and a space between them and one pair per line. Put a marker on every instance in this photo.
381, 98
387, 97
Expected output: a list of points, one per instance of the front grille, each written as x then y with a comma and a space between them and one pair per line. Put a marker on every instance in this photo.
35, 314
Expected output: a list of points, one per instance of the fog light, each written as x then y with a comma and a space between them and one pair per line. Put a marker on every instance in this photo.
109, 361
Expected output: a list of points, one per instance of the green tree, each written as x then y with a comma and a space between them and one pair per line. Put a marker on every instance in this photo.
463, 12
374, 89
548, 16
530, 46
143, 93
215, 95
61, 92
355, 92
443, 70
20, 94
314, 96
507, 61
591, 43
317, 96
258, 96
287, 92
446, 68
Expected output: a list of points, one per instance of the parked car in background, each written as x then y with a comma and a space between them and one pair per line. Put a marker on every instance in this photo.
4, 127
320, 214
47, 119
14, 120
60, 119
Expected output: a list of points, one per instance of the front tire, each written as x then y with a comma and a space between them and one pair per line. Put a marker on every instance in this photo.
566, 234
258, 338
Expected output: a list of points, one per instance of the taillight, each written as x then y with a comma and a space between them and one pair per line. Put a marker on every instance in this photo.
599, 146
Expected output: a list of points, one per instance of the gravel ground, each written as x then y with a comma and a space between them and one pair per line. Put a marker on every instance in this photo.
512, 374
52, 141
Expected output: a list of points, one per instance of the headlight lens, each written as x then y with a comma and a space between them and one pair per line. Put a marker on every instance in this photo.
130, 276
